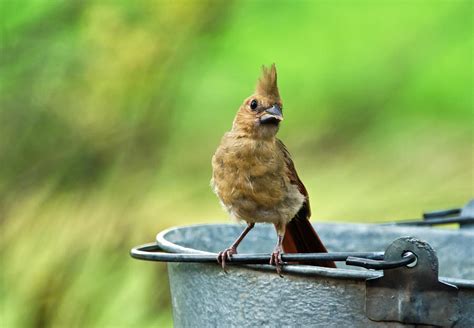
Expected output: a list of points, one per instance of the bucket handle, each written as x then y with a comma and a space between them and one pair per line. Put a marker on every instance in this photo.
369, 260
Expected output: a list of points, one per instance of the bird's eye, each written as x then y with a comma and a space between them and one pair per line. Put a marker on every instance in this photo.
253, 104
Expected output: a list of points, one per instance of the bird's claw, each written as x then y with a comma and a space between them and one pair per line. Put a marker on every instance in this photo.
276, 260
226, 255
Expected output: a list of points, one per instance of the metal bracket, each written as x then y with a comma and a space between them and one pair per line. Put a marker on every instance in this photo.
462, 216
412, 294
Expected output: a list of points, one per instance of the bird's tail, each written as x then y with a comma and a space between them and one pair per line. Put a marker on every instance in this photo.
300, 237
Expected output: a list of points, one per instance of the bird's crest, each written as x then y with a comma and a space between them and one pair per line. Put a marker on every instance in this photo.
267, 84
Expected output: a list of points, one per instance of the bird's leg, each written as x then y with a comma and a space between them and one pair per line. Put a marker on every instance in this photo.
228, 252
275, 258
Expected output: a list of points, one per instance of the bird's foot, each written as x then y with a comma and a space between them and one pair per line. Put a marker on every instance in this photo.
226, 255
276, 260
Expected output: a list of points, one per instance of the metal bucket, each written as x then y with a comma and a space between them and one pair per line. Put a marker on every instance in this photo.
310, 296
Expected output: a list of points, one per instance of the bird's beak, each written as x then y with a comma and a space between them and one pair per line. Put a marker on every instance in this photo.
272, 115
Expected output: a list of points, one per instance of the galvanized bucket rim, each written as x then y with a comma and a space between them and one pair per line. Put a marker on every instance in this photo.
305, 270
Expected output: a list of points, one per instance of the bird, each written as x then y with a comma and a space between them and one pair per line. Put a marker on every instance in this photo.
255, 179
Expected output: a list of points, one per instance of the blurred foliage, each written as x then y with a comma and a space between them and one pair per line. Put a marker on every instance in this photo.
110, 112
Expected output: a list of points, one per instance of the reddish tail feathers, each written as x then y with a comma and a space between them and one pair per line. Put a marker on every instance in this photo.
300, 237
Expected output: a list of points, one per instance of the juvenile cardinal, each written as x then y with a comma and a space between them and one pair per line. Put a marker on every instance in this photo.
256, 180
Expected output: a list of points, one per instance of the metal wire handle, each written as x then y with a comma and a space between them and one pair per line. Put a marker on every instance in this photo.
406, 260
369, 260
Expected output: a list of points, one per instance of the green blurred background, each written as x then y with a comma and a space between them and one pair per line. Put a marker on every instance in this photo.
110, 112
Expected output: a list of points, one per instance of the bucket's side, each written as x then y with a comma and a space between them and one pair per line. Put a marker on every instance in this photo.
204, 296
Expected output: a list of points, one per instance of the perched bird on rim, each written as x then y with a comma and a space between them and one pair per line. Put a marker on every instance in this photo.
256, 180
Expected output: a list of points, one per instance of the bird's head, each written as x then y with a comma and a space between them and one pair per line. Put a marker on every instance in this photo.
261, 113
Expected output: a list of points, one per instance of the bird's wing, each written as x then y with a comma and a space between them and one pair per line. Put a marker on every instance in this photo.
300, 236
293, 176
